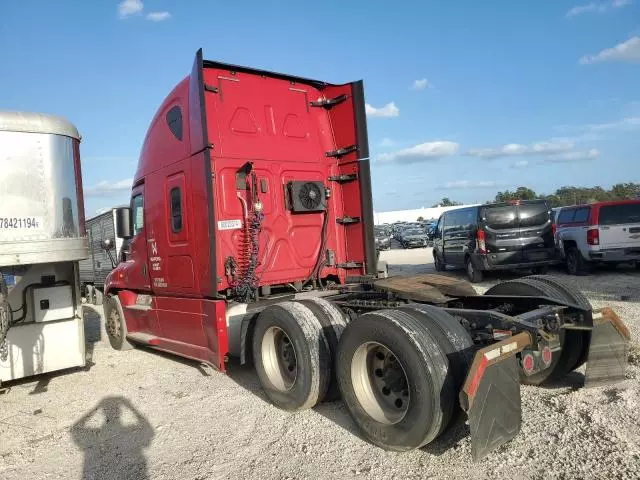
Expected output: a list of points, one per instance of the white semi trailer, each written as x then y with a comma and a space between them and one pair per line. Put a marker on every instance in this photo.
42, 238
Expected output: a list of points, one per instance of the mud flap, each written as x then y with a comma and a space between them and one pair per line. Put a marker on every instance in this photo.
491, 395
608, 351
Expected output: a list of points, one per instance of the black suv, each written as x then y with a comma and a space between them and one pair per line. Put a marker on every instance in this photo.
497, 236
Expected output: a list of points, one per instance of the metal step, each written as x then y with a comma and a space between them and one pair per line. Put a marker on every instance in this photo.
144, 338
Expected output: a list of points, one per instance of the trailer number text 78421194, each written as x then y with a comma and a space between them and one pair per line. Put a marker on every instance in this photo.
19, 223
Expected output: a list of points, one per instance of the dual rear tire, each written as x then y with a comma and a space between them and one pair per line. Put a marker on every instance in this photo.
294, 345
398, 371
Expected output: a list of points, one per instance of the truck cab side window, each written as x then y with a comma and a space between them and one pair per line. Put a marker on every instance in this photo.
175, 198
138, 214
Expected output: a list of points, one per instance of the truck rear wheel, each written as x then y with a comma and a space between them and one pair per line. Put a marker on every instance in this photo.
571, 342
393, 376
455, 342
576, 265
292, 356
115, 323
575, 296
333, 322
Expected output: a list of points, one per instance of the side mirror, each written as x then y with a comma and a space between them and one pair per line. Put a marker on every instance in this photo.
124, 223
106, 244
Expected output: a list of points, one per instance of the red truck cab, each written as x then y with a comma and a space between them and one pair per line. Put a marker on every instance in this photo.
248, 183
250, 230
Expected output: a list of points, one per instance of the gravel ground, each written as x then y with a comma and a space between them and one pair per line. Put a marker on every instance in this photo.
142, 414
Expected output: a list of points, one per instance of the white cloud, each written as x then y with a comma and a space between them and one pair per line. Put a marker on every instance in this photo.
471, 184
628, 51
420, 84
597, 7
516, 149
520, 164
422, 152
158, 16
386, 142
389, 110
574, 156
589, 7
105, 187
130, 7
629, 123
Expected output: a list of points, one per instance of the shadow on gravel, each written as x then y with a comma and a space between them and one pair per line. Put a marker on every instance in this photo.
113, 436
573, 381
246, 377
450, 439
203, 369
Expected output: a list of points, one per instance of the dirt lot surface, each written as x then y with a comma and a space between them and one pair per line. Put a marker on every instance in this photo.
142, 414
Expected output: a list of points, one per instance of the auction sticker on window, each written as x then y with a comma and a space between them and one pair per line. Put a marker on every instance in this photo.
21, 223
229, 224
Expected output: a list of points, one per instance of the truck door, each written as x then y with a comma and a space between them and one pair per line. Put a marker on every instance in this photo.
536, 232
500, 224
452, 245
138, 270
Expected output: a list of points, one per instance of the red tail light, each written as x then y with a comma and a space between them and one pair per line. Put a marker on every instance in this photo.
482, 246
593, 236
554, 229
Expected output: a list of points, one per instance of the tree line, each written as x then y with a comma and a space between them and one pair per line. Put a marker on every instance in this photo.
563, 196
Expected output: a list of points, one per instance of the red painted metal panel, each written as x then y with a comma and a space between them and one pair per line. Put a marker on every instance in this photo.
181, 319
270, 122
241, 116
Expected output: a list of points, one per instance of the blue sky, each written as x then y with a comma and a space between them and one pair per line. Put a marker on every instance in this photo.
464, 98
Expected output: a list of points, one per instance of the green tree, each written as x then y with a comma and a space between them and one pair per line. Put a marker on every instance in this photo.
521, 193
623, 191
446, 202
420, 218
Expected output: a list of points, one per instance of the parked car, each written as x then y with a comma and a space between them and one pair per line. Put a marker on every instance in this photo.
413, 237
382, 238
603, 232
499, 236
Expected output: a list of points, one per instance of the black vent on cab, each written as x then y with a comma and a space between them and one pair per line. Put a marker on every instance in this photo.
306, 196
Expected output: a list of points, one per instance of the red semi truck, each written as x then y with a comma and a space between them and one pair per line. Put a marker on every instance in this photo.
250, 234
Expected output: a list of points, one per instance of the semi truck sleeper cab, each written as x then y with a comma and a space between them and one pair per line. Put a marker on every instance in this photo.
250, 234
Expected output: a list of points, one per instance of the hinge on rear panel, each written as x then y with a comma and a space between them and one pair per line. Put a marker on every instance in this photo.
344, 178
342, 151
210, 88
350, 265
347, 220
329, 102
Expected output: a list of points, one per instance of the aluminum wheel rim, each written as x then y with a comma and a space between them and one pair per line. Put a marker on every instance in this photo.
279, 359
113, 325
380, 383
